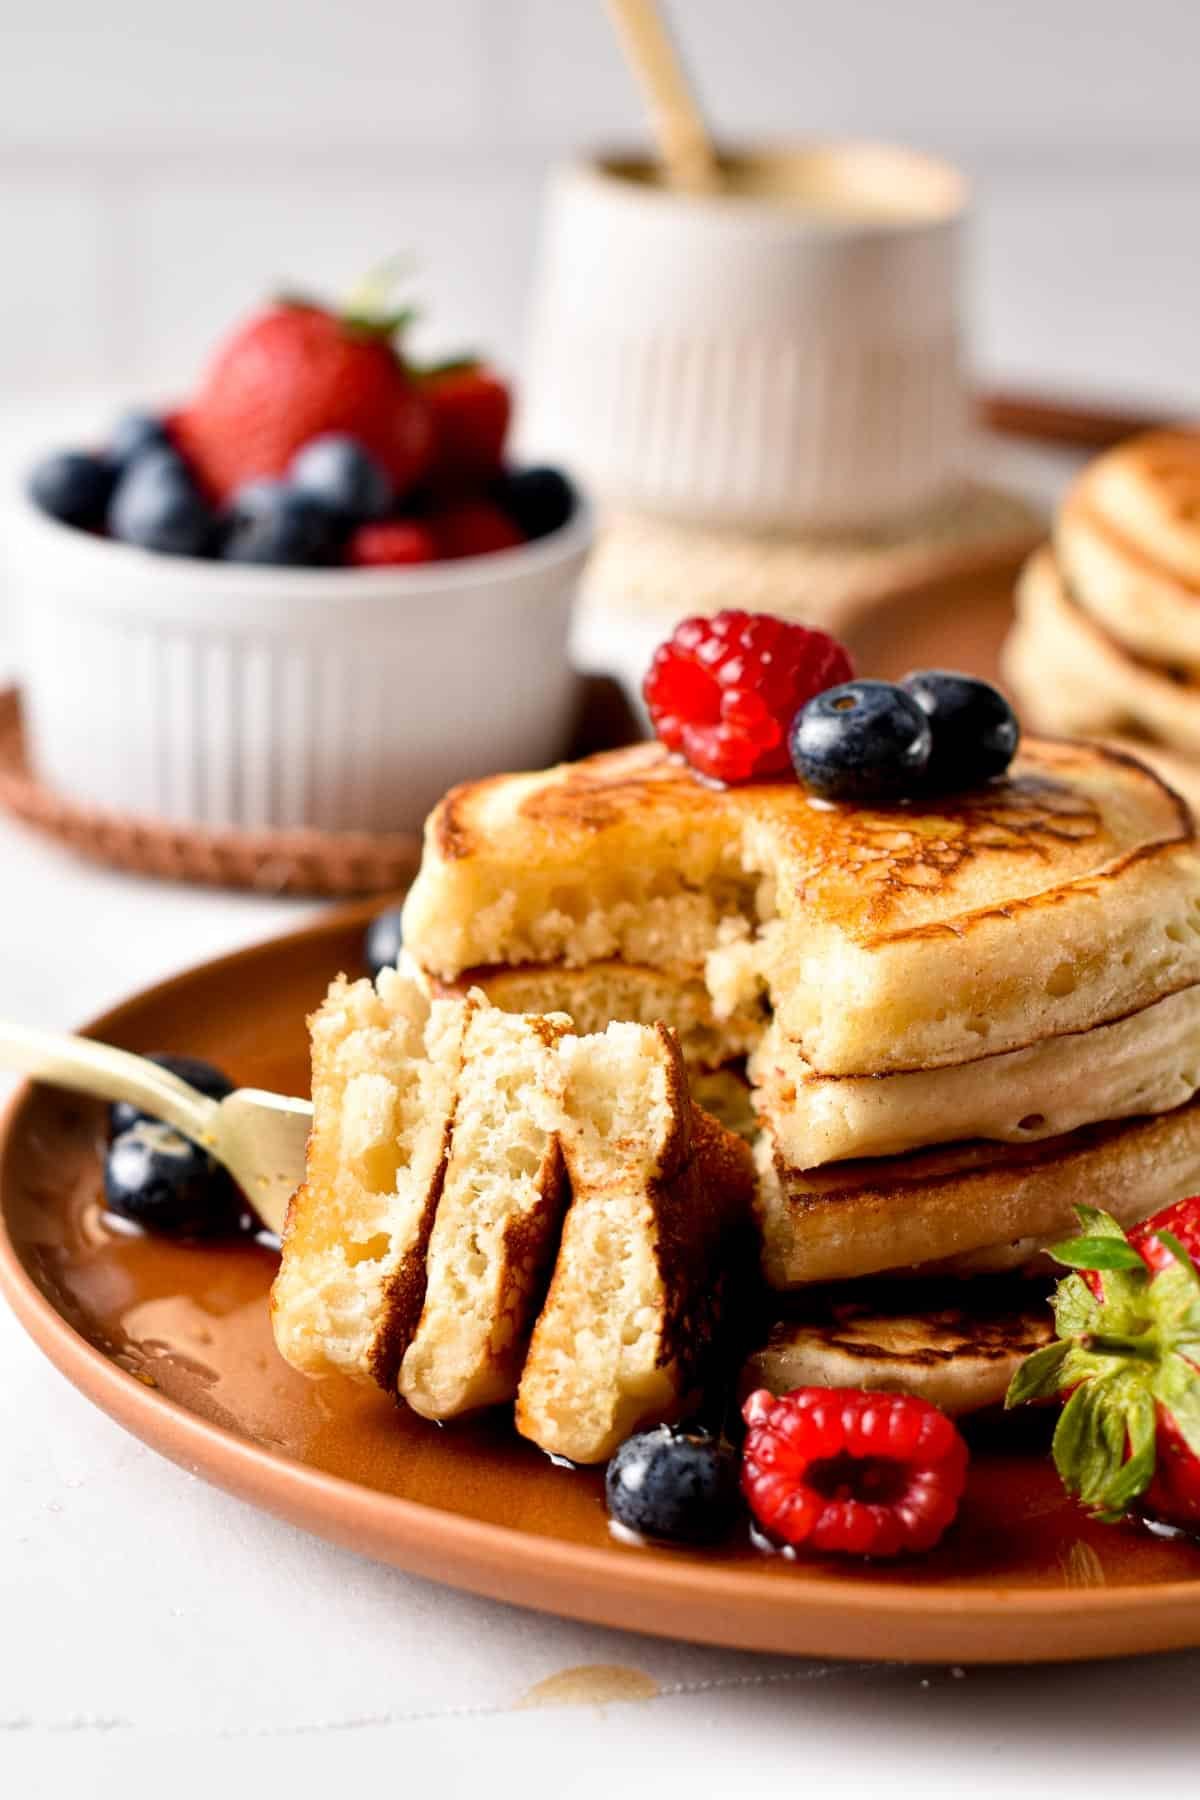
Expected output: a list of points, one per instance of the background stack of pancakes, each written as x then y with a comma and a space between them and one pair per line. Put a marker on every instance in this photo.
1107, 641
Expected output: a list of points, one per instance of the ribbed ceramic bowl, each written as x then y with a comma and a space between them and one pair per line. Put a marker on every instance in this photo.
206, 694
785, 354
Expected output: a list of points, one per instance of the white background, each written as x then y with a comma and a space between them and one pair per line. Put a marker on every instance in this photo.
164, 164
161, 166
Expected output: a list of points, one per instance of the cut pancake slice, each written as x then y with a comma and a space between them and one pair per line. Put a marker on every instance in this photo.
351, 1278
958, 1344
658, 1193
497, 1222
1146, 1063
969, 1205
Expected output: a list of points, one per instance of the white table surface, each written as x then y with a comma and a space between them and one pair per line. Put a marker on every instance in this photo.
158, 1637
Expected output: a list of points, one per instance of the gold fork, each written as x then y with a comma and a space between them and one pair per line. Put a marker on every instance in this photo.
258, 1136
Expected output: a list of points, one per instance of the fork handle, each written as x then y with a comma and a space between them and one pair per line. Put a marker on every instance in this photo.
91, 1068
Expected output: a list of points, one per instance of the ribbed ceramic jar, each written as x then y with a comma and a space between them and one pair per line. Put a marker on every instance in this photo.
783, 355
205, 694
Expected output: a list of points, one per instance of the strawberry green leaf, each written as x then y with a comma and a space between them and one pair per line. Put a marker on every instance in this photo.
1137, 1472
1178, 1390
1039, 1376
1075, 1307
1097, 1223
1097, 1253
1089, 1444
1173, 1302
450, 365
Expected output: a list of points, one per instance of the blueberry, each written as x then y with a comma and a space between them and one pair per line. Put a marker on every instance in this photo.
157, 507
675, 1485
336, 470
865, 740
158, 1179
273, 523
192, 1069
538, 501
73, 487
383, 941
975, 730
133, 436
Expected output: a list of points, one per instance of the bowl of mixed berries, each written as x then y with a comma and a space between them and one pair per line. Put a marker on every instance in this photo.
315, 593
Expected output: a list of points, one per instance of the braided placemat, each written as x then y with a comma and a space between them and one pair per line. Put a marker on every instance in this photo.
275, 862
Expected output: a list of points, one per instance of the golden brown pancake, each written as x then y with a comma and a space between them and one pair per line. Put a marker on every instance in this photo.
1071, 675
955, 1343
923, 936
1127, 541
967, 1206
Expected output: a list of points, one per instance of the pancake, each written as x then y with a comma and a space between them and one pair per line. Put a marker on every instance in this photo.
1063, 896
1071, 676
972, 1206
608, 990
660, 1201
351, 1281
498, 1218
1148, 1062
1178, 770
957, 1344
1128, 545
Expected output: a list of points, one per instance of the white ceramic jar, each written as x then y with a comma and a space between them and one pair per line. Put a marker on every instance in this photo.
207, 694
783, 355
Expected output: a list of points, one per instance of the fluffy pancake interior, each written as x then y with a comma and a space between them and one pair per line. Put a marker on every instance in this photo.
594, 1368
497, 1219
385, 1070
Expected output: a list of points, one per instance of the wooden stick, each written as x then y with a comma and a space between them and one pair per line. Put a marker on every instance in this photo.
688, 158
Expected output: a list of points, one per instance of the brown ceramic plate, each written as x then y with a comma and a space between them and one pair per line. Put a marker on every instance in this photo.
174, 1343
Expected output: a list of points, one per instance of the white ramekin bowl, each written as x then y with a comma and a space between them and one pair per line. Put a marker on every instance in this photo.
201, 693
787, 359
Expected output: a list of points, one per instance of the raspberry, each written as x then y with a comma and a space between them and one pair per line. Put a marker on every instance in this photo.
852, 1473
389, 544
725, 690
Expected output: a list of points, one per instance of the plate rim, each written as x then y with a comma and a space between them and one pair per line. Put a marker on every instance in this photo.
415, 1536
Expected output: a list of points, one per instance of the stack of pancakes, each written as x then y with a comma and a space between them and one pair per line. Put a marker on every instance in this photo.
1107, 641
956, 1020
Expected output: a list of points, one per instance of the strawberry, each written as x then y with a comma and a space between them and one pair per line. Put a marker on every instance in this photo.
1127, 1359
473, 528
470, 407
296, 372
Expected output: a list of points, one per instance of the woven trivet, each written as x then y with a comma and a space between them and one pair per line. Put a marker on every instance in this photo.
648, 567
272, 862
